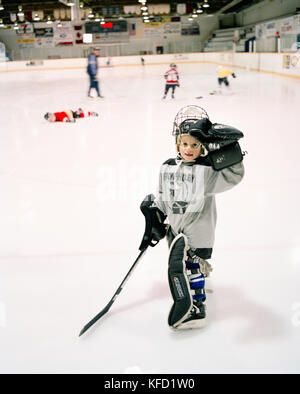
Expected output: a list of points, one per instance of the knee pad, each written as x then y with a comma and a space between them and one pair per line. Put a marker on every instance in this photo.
196, 280
187, 287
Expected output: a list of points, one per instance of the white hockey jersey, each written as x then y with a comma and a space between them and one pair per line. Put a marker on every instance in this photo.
186, 194
172, 77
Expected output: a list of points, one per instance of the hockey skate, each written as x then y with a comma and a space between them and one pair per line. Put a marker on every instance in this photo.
196, 318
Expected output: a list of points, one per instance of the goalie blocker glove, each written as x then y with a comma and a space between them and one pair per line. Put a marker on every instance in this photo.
220, 141
155, 229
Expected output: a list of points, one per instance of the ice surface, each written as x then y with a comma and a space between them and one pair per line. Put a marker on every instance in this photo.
70, 226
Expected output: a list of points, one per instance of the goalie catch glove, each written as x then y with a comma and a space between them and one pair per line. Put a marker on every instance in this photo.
220, 141
155, 229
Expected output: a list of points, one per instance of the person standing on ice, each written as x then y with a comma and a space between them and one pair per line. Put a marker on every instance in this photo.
92, 70
172, 80
209, 161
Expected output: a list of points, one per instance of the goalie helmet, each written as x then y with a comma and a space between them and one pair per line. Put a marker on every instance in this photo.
190, 118
173, 65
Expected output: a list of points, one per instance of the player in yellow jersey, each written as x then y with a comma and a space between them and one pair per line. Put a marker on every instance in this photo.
223, 74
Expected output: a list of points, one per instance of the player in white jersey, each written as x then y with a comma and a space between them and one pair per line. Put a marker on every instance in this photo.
172, 80
209, 161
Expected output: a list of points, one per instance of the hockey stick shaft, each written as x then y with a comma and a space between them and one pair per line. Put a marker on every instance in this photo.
120, 288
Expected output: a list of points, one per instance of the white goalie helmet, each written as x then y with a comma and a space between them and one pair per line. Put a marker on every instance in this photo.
187, 115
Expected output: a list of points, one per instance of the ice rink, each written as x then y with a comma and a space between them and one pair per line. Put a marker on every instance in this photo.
70, 226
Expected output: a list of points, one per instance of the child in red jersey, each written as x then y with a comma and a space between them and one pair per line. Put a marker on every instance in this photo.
172, 80
68, 115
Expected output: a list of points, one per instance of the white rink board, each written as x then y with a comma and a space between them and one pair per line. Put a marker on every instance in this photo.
264, 62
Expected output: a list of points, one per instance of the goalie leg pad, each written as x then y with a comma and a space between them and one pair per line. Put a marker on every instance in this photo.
188, 294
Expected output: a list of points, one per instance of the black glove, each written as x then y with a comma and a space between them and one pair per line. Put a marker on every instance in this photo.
212, 136
226, 156
233, 75
220, 141
155, 227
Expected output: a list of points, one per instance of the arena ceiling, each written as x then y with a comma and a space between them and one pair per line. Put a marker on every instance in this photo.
215, 6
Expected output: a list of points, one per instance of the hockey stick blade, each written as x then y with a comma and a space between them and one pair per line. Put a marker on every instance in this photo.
120, 288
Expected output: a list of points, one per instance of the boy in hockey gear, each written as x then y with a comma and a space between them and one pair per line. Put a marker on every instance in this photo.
172, 80
209, 161
68, 116
92, 70
223, 74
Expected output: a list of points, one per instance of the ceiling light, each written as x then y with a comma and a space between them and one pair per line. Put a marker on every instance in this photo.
70, 3
144, 8
36, 17
81, 4
16, 26
1, 6
97, 19
205, 5
49, 21
91, 15
1, 23
20, 13
199, 11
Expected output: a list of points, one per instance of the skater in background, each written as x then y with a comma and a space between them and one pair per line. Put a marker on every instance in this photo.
68, 116
172, 80
223, 74
209, 161
142, 61
92, 70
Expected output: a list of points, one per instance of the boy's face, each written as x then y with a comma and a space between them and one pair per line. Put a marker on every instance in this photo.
189, 147
51, 117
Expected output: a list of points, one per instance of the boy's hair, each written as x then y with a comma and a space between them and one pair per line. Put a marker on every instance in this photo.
203, 151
